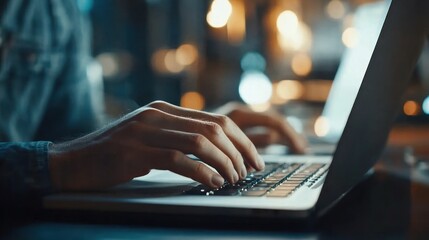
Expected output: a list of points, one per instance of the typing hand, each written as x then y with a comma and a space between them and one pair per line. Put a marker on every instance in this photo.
156, 136
278, 129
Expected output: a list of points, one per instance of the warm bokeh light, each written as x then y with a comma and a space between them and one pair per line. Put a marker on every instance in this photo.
275, 98
425, 105
348, 21
299, 40
411, 108
321, 126
335, 9
262, 107
192, 100
301, 64
236, 26
287, 22
316, 90
171, 63
350, 37
220, 12
186, 54
109, 64
157, 60
293, 34
289, 89
255, 88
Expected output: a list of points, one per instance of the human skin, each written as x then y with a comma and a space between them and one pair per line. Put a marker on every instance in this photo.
159, 136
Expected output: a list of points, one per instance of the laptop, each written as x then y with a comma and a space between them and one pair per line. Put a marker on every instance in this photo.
290, 187
367, 21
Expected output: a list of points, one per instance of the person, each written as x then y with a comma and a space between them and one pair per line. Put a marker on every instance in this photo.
45, 96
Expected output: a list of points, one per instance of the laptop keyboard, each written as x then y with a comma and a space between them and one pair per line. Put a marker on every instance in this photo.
276, 180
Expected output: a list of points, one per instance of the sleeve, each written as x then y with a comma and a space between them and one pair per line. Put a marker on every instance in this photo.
24, 174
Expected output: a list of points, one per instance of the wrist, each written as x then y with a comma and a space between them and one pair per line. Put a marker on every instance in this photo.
57, 159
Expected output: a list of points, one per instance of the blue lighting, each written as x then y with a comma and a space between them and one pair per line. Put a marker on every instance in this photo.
253, 61
85, 5
425, 105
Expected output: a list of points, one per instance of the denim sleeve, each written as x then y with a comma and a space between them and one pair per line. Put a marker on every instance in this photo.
24, 173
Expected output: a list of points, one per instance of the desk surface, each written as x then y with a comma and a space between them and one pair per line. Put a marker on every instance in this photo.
393, 203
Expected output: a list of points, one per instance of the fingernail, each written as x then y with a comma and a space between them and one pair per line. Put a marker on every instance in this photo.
235, 177
243, 173
217, 180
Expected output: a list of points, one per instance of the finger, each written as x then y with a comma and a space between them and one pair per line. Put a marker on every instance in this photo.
248, 119
232, 131
179, 163
185, 142
211, 130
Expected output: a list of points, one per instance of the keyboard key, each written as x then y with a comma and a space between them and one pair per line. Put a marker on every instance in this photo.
258, 188
264, 185
283, 187
290, 184
281, 177
253, 193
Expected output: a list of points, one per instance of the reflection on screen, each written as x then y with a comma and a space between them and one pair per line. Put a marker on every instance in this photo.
368, 22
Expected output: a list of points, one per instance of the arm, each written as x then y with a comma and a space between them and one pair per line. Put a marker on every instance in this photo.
157, 136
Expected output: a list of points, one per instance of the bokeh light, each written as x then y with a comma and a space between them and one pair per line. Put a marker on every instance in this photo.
335, 9
171, 63
425, 105
289, 89
321, 126
255, 88
411, 108
157, 60
236, 26
253, 61
109, 64
293, 34
186, 54
220, 11
287, 23
301, 64
350, 37
261, 107
299, 40
193, 100
94, 71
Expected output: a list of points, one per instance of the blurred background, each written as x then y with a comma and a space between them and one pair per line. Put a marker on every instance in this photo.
280, 54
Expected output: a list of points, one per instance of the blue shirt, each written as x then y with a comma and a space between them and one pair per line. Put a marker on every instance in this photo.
45, 91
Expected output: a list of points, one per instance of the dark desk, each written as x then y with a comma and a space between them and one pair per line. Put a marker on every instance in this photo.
392, 203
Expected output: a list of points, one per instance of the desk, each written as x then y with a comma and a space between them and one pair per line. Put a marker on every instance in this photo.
392, 203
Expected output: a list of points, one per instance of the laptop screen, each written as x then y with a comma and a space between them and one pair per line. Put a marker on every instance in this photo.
368, 21
379, 98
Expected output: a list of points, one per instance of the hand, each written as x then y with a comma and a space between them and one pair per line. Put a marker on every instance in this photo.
278, 130
156, 136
